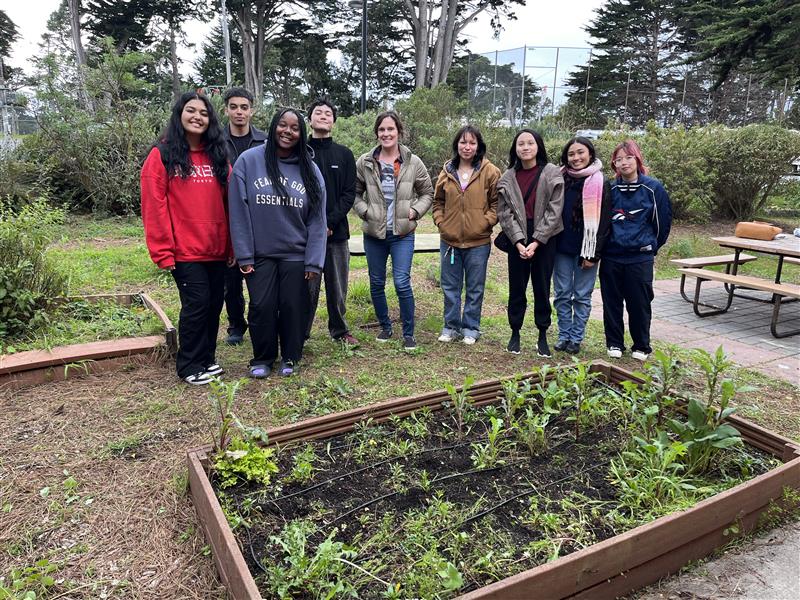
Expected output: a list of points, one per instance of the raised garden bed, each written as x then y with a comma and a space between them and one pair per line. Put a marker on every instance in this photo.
33, 367
605, 569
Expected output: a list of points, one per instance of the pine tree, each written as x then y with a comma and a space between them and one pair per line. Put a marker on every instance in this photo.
633, 72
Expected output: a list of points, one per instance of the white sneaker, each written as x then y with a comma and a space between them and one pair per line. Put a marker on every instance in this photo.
446, 338
639, 355
201, 378
614, 352
469, 340
214, 369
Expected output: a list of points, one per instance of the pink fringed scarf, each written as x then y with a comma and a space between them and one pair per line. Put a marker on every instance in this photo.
592, 199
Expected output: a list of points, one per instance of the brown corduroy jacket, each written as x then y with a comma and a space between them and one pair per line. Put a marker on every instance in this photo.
465, 218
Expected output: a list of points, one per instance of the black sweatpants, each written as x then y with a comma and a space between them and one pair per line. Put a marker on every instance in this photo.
201, 288
279, 307
631, 284
539, 270
234, 300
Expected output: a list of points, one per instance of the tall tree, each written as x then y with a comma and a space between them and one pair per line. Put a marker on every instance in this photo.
436, 27
210, 65
762, 35
80, 55
495, 90
126, 21
256, 21
8, 34
633, 74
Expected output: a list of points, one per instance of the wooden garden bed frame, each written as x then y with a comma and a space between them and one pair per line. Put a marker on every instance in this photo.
606, 569
34, 367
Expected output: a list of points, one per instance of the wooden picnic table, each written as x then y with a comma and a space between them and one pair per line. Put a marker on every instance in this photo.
780, 293
782, 248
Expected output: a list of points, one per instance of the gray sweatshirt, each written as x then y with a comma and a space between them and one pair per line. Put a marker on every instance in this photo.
265, 224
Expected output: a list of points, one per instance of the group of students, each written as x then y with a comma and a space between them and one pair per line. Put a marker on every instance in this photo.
224, 204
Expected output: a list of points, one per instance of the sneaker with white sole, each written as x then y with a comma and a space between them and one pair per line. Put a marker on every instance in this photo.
384, 336
640, 355
469, 340
446, 338
614, 352
201, 378
409, 343
214, 369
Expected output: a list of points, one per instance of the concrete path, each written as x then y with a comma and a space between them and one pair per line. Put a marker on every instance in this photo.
767, 567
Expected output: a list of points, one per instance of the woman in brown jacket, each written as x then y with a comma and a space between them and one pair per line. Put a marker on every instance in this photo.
530, 198
464, 210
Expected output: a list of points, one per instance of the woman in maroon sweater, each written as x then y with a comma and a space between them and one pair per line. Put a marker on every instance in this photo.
184, 211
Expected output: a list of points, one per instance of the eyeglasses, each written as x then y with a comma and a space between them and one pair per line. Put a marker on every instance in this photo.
621, 159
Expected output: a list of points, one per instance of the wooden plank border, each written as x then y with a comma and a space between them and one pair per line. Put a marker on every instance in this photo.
607, 569
35, 367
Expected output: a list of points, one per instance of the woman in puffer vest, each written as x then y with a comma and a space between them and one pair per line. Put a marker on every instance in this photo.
393, 191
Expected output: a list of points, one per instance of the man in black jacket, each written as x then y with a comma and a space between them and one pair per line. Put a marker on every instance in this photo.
240, 135
339, 170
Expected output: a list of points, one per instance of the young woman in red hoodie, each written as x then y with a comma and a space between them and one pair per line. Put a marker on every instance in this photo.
184, 181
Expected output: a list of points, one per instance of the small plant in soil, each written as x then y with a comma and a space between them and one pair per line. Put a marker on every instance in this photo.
442, 502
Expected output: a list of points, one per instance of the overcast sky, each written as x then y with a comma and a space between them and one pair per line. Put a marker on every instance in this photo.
540, 23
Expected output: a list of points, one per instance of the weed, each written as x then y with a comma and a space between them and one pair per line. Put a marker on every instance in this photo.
485, 456
303, 469
461, 403
531, 431
322, 574
29, 583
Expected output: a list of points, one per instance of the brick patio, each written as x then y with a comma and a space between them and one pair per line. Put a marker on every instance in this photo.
743, 331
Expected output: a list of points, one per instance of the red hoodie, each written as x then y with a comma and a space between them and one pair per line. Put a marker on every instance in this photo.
185, 220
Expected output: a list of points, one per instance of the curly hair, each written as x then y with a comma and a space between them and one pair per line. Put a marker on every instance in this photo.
174, 146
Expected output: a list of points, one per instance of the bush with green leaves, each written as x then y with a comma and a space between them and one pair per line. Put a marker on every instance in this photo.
88, 159
28, 279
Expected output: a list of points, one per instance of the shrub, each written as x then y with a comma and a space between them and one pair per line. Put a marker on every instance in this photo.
750, 162
88, 160
28, 280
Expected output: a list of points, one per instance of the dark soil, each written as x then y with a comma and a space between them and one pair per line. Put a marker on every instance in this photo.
361, 481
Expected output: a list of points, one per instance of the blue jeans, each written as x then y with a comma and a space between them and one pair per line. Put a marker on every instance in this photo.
401, 249
463, 267
572, 286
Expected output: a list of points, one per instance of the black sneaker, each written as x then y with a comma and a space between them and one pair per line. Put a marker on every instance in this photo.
201, 378
214, 369
542, 349
384, 336
573, 347
409, 343
561, 346
234, 339
513, 343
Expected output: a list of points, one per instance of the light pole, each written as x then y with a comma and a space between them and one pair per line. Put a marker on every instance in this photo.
363, 4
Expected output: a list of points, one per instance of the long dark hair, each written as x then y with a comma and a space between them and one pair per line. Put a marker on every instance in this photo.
578, 139
301, 151
541, 153
479, 154
174, 146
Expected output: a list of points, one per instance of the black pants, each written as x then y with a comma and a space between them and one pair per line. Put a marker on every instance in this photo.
336, 274
633, 285
201, 287
234, 300
279, 306
539, 270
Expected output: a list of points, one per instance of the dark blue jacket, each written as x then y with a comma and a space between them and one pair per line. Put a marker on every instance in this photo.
641, 217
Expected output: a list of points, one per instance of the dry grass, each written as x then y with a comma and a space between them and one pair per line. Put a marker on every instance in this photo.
133, 533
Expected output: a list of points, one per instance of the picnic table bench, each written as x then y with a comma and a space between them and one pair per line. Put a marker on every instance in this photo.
779, 292
709, 261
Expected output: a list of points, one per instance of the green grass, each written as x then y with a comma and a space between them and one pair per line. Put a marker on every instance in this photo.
79, 322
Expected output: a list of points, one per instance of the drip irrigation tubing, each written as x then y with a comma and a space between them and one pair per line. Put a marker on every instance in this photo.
397, 493
523, 493
366, 468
